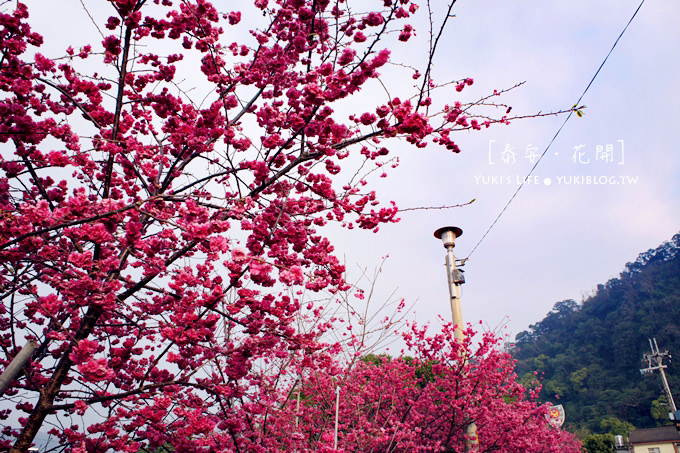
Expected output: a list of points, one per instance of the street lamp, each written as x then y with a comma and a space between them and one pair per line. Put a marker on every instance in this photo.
455, 277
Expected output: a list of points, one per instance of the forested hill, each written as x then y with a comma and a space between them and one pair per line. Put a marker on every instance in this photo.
589, 354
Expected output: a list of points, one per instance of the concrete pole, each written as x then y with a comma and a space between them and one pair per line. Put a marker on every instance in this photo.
454, 293
337, 413
448, 236
16, 365
669, 395
655, 362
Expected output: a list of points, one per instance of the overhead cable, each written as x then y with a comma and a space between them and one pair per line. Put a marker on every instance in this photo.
571, 112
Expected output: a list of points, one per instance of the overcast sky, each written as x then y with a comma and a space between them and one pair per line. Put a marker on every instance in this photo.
560, 237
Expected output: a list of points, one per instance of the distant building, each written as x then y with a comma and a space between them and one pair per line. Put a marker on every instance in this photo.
665, 439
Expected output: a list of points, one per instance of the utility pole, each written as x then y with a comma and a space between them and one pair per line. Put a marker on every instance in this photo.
456, 278
17, 365
654, 361
337, 409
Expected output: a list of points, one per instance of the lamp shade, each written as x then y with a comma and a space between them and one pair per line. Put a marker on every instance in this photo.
448, 235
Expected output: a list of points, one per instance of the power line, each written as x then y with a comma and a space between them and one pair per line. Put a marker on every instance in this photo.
575, 108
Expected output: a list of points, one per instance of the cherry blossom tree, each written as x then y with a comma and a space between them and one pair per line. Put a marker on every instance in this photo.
165, 189
419, 403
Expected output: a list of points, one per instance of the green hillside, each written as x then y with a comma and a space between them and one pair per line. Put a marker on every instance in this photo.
588, 355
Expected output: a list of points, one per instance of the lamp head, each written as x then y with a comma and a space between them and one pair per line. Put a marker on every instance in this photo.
448, 235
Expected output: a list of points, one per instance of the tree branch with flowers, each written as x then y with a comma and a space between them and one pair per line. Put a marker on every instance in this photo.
164, 192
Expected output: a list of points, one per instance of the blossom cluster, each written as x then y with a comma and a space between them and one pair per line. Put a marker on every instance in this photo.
157, 243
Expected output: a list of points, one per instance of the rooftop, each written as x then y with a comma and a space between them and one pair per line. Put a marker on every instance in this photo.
649, 435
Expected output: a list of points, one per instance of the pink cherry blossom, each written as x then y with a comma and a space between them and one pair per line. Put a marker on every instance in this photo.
167, 193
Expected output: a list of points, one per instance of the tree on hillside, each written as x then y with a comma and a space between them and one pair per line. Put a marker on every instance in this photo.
598, 443
164, 193
589, 355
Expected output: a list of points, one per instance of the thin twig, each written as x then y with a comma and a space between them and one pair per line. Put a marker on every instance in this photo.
426, 208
